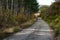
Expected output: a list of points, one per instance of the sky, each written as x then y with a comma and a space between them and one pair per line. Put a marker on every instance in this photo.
45, 2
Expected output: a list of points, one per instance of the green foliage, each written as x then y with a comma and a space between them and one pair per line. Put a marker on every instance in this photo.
7, 18
55, 9
21, 18
52, 16
15, 29
32, 5
43, 10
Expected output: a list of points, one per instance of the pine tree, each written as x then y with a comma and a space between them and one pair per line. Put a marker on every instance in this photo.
32, 5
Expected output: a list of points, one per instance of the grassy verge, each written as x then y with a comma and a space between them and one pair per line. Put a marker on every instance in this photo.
9, 31
55, 25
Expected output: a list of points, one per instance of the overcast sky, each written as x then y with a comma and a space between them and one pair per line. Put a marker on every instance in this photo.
45, 2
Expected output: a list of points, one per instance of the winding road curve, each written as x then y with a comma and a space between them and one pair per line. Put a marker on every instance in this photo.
38, 31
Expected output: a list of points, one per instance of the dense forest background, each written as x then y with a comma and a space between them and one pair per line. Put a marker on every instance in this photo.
10, 9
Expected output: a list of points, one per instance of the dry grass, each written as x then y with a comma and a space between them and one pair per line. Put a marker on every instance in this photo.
8, 31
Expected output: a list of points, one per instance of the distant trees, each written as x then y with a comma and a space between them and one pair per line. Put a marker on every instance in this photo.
17, 5
52, 10
31, 5
44, 8
55, 8
43, 11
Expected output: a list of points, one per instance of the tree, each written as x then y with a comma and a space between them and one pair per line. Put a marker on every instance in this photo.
55, 9
43, 10
32, 5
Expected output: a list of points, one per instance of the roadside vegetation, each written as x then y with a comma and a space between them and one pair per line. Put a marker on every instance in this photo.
51, 14
16, 15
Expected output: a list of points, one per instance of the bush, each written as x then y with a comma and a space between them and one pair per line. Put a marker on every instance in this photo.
15, 29
21, 18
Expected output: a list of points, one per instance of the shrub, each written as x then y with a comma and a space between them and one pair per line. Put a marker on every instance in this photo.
15, 29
